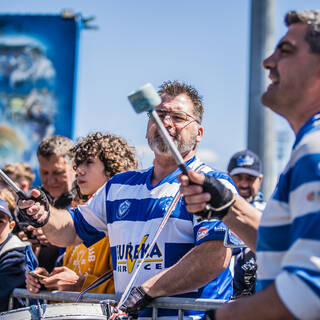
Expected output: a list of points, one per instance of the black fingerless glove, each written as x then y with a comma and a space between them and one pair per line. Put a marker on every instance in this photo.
137, 300
42, 199
222, 199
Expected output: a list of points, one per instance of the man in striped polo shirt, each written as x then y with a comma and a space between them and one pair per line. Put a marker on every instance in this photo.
286, 237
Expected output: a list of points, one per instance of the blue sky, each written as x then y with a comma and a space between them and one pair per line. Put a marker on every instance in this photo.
204, 43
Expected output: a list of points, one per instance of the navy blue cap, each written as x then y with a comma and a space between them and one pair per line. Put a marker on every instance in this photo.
245, 161
4, 208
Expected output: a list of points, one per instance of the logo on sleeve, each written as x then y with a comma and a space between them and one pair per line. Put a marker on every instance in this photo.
202, 232
123, 209
313, 196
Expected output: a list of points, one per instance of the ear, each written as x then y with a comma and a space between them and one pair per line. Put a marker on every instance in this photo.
25, 185
107, 174
148, 127
200, 133
11, 225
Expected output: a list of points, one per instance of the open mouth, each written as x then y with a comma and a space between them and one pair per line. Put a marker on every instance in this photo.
274, 78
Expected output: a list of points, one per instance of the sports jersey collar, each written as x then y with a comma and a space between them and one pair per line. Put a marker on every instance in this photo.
171, 177
258, 197
307, 127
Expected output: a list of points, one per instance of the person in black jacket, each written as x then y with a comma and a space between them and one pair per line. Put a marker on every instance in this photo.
12, 252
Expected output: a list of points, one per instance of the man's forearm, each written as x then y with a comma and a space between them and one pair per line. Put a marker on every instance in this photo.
198, 267
243, 219
60, 229
266, 304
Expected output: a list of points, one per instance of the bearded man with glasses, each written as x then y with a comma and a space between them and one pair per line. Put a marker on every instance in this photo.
189, 257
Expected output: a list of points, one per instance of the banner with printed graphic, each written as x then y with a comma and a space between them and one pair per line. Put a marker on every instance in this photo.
38, 56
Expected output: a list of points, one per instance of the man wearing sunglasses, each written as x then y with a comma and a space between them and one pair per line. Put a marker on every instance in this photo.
131, 206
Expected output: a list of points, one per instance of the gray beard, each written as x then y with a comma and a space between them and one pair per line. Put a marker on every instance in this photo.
158, 145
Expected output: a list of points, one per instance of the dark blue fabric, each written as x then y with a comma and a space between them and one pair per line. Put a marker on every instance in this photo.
89, 234
283, 237
12, 272
31, 260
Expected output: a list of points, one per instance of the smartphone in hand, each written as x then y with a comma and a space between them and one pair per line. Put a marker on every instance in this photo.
38, 276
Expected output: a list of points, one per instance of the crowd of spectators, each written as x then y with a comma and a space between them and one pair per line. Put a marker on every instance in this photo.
96, 211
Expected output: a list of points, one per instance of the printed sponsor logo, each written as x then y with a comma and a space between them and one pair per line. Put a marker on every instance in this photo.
128, 255
313, 196
202, 232
123, 209
310, 196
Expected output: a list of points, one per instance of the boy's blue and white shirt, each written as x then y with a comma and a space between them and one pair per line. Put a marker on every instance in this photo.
129, 209
288, 248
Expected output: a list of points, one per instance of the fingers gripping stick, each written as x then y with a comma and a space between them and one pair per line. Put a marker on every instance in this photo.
42, 199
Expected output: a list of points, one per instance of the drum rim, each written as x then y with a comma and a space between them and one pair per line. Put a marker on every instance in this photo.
94, 311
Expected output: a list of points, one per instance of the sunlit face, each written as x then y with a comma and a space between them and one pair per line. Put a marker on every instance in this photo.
6, 226
294, 73
185, 134
56, 174
247, 185
91, 175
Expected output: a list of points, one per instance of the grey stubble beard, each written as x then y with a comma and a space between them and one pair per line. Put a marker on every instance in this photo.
158, 145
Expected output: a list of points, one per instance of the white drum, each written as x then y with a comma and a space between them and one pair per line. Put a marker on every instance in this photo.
70, 311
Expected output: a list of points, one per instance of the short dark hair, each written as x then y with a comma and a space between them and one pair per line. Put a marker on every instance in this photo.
312, 19
19, 170
56, 145
174, 88
114, 152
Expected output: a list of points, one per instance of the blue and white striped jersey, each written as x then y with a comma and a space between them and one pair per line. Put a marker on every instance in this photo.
129, 209
288, 247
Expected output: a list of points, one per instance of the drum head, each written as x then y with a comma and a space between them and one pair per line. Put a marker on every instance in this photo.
69, 311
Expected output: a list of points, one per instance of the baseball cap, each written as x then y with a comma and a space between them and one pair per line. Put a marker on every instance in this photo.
4, 208
245, 161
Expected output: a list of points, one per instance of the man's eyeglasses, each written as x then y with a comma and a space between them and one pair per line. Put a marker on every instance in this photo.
175, 116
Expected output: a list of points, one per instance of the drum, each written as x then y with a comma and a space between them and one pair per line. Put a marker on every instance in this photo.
70, 311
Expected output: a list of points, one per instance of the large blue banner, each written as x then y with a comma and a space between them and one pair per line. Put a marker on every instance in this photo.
38, 57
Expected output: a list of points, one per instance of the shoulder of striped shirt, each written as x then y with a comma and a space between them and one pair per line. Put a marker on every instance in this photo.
221, 176
197, 163
309, 144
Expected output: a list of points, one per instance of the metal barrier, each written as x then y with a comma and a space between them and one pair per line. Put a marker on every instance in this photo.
179, 304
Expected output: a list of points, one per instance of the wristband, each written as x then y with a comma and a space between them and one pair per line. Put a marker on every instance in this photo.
222, 199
